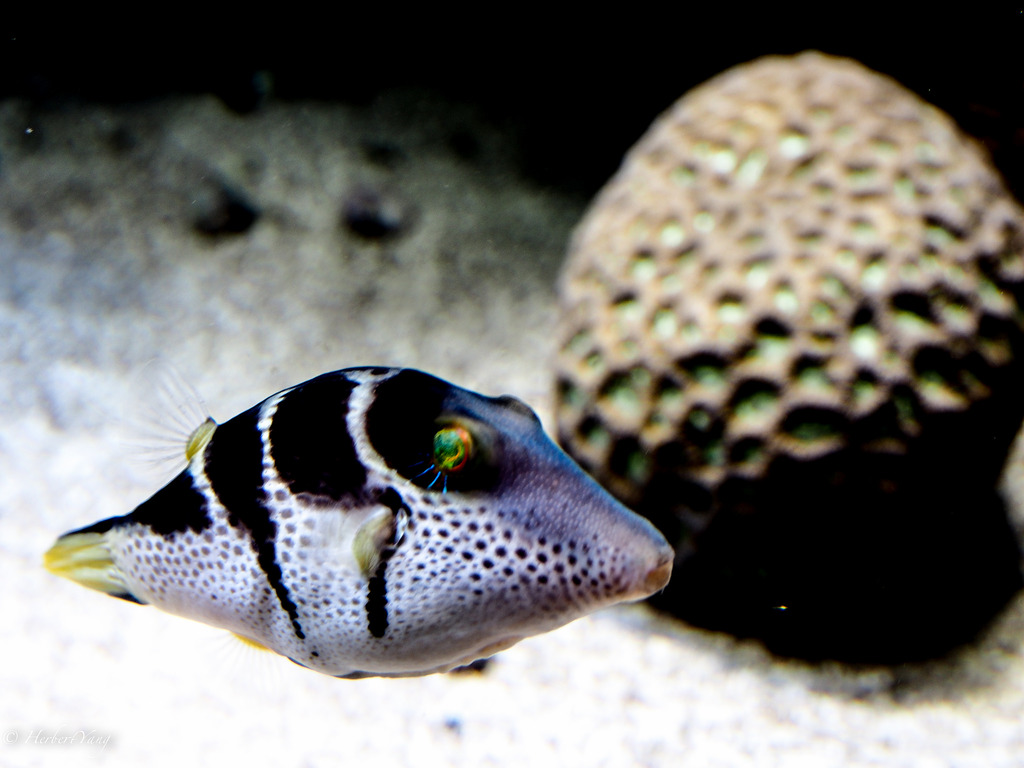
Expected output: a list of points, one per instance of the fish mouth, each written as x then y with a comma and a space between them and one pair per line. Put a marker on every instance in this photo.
656, 574
657, 578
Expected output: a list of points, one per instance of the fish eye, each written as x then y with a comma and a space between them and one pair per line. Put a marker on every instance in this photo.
453, 448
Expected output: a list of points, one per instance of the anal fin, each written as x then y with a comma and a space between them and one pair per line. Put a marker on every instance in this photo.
248, 642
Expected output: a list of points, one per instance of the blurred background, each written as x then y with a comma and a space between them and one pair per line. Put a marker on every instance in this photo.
253, 201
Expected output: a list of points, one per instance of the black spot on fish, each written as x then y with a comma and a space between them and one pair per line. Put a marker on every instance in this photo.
377, 602
310, 442
234, 466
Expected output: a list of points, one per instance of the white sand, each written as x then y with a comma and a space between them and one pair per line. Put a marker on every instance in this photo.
100, 272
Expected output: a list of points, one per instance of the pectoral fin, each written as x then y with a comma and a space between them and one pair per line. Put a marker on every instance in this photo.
375, 536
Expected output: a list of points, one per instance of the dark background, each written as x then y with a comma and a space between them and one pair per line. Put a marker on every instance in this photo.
573, 86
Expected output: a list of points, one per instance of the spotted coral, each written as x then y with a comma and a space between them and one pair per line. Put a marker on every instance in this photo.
800, 291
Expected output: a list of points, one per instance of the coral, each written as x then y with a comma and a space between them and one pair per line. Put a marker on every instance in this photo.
792, 314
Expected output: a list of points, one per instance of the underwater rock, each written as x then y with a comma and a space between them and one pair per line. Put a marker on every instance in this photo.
223, 211
791, 336
375, 214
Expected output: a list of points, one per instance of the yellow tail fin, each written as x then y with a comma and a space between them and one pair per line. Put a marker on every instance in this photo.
85, 558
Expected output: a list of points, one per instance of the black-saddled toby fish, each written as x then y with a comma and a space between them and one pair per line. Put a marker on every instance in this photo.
375, 521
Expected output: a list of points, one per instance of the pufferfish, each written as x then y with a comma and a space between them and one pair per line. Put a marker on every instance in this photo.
375, 522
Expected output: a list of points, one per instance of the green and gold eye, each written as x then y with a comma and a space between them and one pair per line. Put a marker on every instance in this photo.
453, 448
439, 438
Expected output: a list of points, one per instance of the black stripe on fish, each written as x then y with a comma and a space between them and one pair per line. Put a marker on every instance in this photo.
175, 508
234, 467
407, 411
377, 602
310, 442
402, 419
393, 500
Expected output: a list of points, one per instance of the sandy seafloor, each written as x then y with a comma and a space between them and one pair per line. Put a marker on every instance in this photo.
102, 271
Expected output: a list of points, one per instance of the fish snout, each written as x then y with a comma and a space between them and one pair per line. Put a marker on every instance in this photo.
644, 557
625, 558
651, 570
658, 576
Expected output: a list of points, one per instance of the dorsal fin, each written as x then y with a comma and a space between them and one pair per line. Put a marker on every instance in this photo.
199, 438
167, 419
